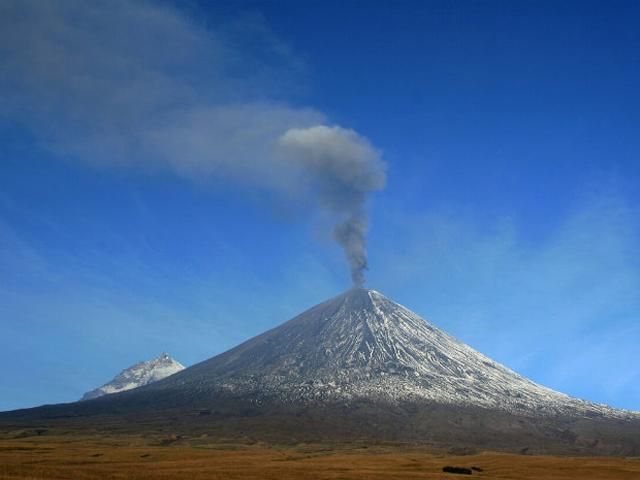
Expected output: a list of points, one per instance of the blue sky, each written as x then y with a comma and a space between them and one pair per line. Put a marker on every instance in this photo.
140, 213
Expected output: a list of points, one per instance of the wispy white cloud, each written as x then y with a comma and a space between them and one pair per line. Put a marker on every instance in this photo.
561, 309
80, 316
137, 83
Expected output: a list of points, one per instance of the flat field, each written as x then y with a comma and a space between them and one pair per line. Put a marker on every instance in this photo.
76, 457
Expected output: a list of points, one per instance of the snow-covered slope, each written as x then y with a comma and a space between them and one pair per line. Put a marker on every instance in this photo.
138, 375
357, 367
361, 345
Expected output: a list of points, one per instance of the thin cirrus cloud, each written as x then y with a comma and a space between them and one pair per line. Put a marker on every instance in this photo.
562, 310
132, 83
59, 306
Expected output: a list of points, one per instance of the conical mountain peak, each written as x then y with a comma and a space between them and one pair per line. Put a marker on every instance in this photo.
357, 366
360, 344
361, 364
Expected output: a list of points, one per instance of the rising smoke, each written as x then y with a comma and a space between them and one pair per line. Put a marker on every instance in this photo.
164, 93
344, 169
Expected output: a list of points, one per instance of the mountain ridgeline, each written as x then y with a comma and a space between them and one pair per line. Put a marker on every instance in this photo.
138, 375
360, 367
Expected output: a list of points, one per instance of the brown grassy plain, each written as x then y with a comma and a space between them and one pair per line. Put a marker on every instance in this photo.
90, 457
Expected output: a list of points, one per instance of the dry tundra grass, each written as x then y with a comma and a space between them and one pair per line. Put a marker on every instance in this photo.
84, 457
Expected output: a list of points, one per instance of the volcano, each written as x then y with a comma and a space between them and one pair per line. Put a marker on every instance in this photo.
362, 346
362, 367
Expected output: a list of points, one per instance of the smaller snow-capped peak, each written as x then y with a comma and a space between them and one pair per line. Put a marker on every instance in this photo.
142, 373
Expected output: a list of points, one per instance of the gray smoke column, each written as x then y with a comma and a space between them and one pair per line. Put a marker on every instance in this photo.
343, 169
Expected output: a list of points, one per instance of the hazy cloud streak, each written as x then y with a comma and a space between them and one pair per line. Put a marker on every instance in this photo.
565, 296
139, 84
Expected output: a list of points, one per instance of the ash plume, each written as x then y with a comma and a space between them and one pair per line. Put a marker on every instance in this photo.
343, 169
164, 94
351, 235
